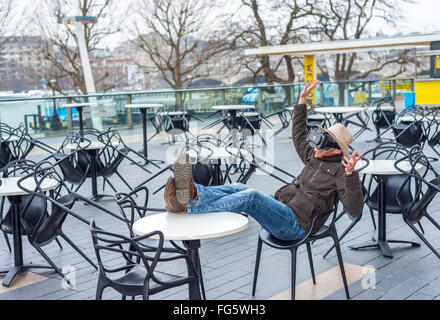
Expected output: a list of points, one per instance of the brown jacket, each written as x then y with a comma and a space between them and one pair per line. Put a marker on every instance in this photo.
314, 190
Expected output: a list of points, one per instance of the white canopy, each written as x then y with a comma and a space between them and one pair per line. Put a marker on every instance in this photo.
344, 46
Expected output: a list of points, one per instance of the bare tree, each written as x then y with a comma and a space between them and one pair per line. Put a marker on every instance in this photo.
60, 43
349, 19
271, 23
6, 14
179, 38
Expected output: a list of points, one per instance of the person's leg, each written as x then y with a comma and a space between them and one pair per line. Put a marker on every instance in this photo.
274, 216
209, 194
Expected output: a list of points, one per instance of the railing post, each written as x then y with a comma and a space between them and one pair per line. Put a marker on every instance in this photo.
178, 97
129, 112
369, 92
223, 96
412, 84
321, 89
69, 116
394, 89
292, 94
260, 100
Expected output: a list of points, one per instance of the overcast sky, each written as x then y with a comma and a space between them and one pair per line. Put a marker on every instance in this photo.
422, 16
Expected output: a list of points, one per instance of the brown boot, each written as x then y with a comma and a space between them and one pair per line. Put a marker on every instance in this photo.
183, 179
171, 203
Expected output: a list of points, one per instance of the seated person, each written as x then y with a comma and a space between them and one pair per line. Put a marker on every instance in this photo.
288, 215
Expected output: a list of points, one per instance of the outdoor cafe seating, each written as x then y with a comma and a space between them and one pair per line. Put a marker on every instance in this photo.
398, 178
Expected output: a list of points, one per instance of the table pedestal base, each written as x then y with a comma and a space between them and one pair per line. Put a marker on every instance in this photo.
14, 271
192, 247
383, 246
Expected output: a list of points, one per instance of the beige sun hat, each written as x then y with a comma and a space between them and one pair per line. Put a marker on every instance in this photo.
341, 136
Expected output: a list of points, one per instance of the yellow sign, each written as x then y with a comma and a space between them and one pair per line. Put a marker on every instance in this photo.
437, 62
309, 75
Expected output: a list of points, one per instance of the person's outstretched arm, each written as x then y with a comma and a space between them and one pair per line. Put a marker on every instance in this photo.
299, 124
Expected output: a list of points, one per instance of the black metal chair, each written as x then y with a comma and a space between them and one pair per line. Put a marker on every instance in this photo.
177, 125
410, 132
15, 168
426, 185
326, 231
113, 153
284, 115
24, 143
433, 130
249, 161
40, 227
250, 123
361, 121
131, 278
396, 185
383, 119
131, 211
68, 158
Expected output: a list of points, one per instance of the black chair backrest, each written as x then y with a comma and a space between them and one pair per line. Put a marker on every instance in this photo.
383, 118
107, 243
70, 157
130, 209
203, 173
47, 225
410, 134
426, 182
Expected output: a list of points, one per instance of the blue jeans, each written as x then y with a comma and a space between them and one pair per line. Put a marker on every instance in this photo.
274, 216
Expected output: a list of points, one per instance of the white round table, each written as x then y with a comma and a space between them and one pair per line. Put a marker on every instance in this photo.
9, 188
382, 169
12, 139
233, 107
173, 113
94, 145
191, 228
79, 107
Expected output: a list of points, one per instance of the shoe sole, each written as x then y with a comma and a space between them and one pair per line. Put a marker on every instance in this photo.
167, 204
182, 175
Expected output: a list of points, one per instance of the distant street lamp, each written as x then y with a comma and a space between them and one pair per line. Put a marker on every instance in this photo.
55, 122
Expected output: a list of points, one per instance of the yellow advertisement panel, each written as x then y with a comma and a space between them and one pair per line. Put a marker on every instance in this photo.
427, 91
437, 62
309, 75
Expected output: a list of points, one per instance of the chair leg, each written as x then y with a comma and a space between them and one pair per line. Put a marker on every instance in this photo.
312, 269
421, 228
202, 285
257, 265
417, 232
111, 186
432, 221
123, 180
293, 270
372, 218
342, 235
341, 263
59, 243
145, 294
53, 265
99, 290
7, 241
78, 250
